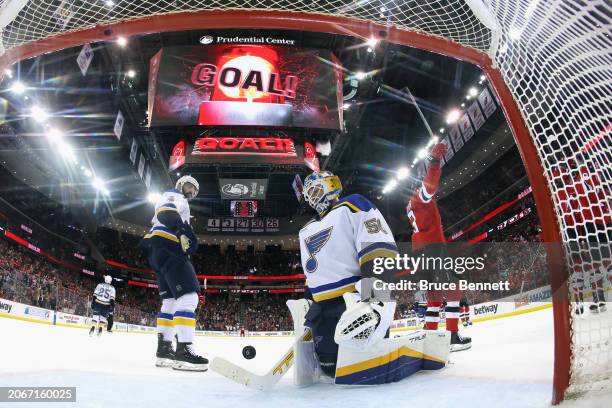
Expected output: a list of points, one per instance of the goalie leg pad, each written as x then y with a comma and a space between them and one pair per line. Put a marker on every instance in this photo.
306, 370
391, 360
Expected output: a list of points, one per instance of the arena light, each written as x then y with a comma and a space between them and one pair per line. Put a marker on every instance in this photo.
8, 73
360, 75
452, 116
18, 88
39, 114
153, 197
54, 135
390, 186
99, 185
422, 153
346, 105
109, 3
442, 130
372, 42
131, 73
87, 173
122, 42
66, 151
402, 173
473, 92
435, 139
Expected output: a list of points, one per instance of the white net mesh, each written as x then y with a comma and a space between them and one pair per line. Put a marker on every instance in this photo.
554, 56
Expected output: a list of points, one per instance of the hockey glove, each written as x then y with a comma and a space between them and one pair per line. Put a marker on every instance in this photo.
188, 239
438, 151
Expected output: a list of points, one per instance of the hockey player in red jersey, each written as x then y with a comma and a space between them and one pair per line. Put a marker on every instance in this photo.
427, 230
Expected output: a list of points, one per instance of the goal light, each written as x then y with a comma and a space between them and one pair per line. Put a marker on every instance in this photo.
122, 41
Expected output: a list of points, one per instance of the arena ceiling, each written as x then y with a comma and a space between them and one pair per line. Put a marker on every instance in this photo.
384, 130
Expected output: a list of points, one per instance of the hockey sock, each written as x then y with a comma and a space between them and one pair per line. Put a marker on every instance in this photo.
432, 315
165, 319
467, 313
451, 313
184, 317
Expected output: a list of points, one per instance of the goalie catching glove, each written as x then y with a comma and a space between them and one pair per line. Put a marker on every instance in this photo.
364, 323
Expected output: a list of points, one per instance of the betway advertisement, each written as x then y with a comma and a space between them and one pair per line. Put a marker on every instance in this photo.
245, 85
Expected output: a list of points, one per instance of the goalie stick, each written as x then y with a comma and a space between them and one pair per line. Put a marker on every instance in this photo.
259, 382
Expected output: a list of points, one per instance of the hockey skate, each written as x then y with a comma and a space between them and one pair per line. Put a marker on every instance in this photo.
187, 360
459, 342
99, 331
92, 331
165, 354
598, 307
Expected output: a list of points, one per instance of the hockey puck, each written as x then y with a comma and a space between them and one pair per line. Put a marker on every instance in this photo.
248, 352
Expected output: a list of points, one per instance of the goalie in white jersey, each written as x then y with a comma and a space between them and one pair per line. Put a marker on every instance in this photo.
103, 301
347, 233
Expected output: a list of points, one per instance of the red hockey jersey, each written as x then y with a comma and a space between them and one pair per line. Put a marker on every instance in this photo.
423, 211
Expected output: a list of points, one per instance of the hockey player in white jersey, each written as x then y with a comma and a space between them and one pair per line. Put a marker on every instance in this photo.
103, 301
346, 235
168, 246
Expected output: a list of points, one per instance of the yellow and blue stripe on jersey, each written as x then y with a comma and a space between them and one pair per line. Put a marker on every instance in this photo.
162, 232
184, 318
165, 320
334, 289
355, 203
377, 250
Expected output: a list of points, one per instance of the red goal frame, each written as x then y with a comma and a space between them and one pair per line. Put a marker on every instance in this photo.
258, 19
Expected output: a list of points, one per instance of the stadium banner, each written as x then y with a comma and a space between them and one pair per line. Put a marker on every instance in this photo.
245, 85
21, 311
450, 153
133, 151
466, 127
476, 115
243, 189
487, 102
298, 187
455, 137
245, 208
119, 122
241, 150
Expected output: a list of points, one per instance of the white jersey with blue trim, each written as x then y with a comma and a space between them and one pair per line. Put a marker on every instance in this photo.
334, 246
171, 200
104, 293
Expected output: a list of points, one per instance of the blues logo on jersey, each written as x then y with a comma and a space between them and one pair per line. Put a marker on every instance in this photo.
314, 243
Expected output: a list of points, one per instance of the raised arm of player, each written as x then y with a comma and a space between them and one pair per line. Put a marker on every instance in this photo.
431, 180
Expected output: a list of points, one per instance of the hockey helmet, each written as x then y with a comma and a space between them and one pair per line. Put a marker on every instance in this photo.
321, 189
188, 179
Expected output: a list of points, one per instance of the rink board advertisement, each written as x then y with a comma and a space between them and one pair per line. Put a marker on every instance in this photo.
245, 85
21, 311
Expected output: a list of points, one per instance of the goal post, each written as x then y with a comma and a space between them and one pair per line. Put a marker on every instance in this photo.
548, 65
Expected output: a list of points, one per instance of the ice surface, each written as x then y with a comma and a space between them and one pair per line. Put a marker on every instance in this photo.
509, 365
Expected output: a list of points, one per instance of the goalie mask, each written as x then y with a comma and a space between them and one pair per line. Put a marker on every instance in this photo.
321, 189
188, 180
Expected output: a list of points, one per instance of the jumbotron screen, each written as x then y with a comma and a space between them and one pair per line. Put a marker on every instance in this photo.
245, 85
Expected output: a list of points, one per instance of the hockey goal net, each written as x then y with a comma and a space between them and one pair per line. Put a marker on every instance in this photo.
548, 61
